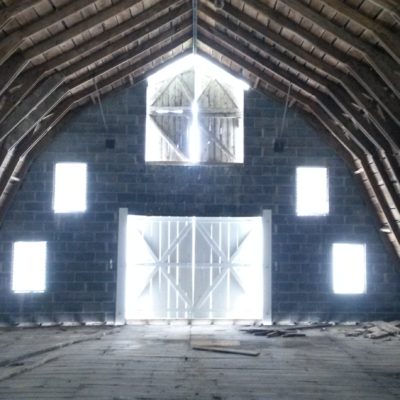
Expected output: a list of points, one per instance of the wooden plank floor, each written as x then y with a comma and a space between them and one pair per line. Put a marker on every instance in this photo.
157, 362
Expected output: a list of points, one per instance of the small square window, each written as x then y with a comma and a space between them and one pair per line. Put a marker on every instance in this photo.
29, 267
70, 188
312, 193
349, 268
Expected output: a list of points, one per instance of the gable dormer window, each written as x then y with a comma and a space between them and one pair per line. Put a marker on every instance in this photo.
194, 114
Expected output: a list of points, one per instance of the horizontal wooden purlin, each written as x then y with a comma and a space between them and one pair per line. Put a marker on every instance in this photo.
122, 59
391, 6
335, 133
134, 37
28, 80
336, 93
79, 28
130, 69
98, 41
360, 71
30, 104
353, 88
48, 104
181, 29
365, 141
382, 63
11, 11
387, 39
10, 44
326, 105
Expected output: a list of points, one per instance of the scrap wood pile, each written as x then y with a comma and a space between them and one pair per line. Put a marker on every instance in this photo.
285, 332
376, 330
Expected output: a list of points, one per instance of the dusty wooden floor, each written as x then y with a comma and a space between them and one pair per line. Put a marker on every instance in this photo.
156, 362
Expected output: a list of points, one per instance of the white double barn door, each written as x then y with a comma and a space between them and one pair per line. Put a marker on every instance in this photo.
194, 268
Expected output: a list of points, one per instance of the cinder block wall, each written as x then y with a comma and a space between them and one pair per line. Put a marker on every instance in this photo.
82, 249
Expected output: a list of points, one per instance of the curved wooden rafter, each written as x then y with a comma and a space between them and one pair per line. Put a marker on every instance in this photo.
338, 97
355, 158
351, 95
21, 153
384, 65
358, 70
28, 80
352, 87
324, 107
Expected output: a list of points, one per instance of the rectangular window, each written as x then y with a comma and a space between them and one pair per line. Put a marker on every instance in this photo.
70, 188
312, 193
29, 267
194, 114
349, 268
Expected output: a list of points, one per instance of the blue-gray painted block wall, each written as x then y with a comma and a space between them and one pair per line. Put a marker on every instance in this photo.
82, 248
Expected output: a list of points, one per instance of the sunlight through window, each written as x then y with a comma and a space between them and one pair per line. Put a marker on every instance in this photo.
29, 267
194, 114
349, 268
70, 188
312, 193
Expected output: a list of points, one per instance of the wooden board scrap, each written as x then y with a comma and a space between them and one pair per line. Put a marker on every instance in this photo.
227, 350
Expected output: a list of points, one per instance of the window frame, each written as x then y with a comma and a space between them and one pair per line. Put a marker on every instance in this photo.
195, 148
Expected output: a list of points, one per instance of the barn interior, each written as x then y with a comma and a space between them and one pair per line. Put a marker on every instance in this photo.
199, 199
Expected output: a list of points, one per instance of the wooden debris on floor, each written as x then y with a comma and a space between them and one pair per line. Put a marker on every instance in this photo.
285, 332
376, 330
227, 350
